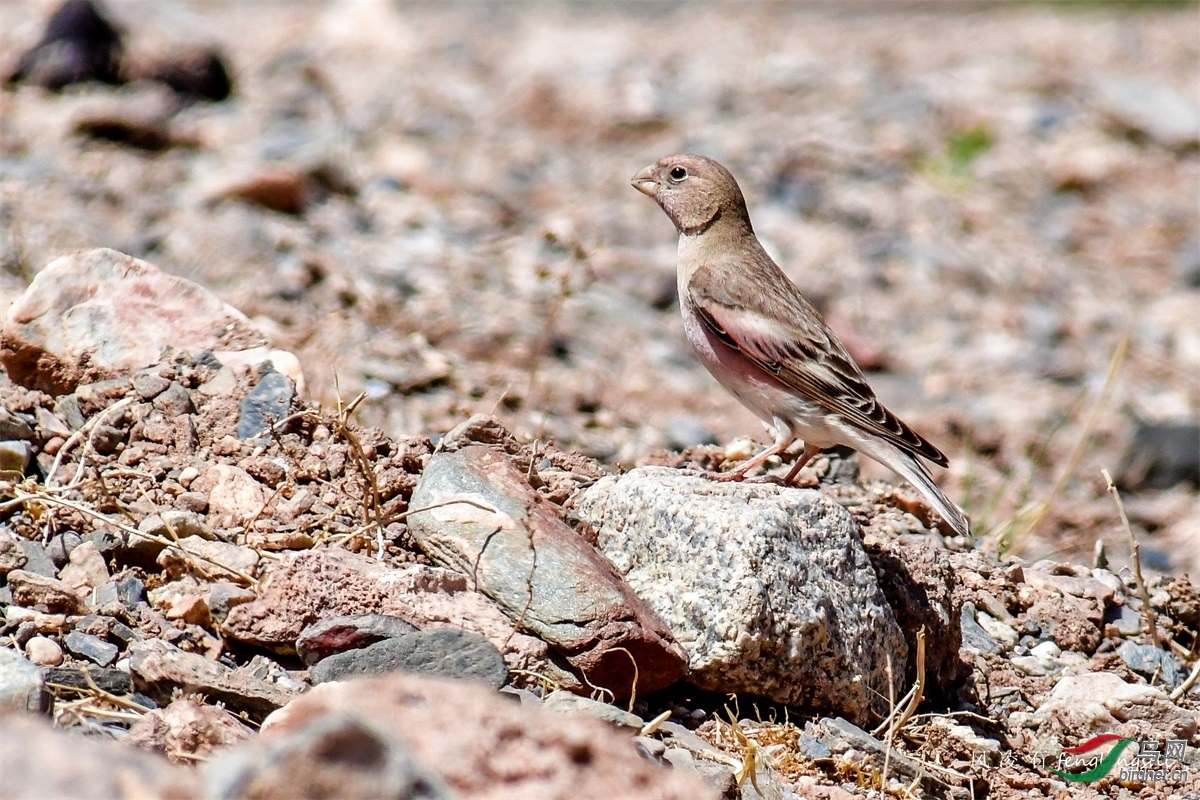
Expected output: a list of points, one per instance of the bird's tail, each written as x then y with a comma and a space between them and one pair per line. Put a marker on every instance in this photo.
915, 473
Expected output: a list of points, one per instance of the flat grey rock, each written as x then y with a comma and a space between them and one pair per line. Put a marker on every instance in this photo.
113, 681
449, 652
565, 702
37, 560
92, 648
768, 589
973, 634
487, 523
348, 632
159, 669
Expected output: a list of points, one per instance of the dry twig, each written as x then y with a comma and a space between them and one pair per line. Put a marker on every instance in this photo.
1135, 562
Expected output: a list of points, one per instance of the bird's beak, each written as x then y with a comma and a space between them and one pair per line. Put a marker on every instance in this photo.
644, 182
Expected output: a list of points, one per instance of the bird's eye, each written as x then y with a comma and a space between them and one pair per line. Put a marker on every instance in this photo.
677, 174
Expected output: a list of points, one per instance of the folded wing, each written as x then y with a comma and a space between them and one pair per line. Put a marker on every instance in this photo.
814, 364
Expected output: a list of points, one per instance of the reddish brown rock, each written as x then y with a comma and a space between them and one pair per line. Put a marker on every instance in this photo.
488, 748
219, 560
160, 668
518, 551
277, 187
185, 729
38, 592
86, 570
1072, 622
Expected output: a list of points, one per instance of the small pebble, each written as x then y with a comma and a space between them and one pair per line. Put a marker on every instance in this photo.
650, 749
1047, 650
739, 450
43, 651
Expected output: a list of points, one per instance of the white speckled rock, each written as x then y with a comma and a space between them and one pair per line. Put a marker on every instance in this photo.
95, 314
769, 590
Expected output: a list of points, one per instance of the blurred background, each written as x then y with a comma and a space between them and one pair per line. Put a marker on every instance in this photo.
995, 205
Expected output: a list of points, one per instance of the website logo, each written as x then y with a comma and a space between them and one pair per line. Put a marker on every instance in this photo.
1152, 761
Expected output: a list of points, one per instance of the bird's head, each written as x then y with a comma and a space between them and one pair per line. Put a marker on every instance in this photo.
695, 191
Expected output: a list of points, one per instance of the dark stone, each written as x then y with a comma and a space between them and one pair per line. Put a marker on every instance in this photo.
113, 681
105, 599
350, 632
107, 540
93, 648
174, 401
267, 403
131, 590
449, 652
1162, 455
1148, 660
66, 408
24, 632
149, 386
79, 44
143, 701
37, 560
123, 633
60, 547
974, 636
199, 74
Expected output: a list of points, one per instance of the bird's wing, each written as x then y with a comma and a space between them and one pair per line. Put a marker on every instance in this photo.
797, 348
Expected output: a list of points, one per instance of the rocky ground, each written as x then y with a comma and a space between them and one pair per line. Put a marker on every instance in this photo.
420, 217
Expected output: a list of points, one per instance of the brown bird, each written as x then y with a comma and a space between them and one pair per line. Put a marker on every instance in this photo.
759, 336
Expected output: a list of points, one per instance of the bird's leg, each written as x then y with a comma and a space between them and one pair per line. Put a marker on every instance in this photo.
782, 440
810, 450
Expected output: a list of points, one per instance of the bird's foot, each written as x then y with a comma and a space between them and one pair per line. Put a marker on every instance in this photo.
741, 477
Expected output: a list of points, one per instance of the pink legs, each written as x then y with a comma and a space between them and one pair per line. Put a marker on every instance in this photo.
780, 443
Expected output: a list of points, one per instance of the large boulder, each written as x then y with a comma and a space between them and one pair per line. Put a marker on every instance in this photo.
768, 588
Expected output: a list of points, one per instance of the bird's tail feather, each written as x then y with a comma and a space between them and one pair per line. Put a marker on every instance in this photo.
915, 473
